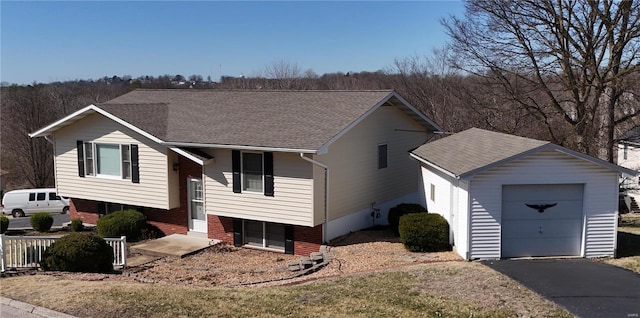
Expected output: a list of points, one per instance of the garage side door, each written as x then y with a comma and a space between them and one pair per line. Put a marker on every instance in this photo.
540, 231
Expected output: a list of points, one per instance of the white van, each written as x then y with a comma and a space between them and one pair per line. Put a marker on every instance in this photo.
30, 201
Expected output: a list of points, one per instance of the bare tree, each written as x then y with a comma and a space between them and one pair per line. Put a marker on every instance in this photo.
579, 54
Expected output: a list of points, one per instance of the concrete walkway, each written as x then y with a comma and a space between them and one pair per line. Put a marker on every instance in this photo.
10, 308
584, 287
175, 245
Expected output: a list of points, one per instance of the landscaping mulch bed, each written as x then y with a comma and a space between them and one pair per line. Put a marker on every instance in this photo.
224, 265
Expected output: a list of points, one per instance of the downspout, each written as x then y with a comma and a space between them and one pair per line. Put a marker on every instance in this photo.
326, 193
49, 140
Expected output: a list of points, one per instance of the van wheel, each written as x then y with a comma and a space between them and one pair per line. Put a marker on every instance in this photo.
17, 213
65, 210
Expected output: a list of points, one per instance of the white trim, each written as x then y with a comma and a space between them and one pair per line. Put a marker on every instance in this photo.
53, 127
325, 147
237, 147
548, 146
187, 155
191, 225
433, 166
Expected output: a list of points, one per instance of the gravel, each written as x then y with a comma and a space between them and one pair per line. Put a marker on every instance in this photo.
225, 265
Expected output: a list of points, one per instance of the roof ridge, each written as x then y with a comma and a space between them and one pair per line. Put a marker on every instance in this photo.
505, 134
267, 90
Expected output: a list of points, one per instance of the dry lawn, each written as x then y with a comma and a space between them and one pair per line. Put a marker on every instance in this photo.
372, 276
628, 243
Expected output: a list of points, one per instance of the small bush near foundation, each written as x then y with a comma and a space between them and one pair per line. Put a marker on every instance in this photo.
129, 223
76, 225
41, 221
401, 209
4, 224
79, 252
424, 232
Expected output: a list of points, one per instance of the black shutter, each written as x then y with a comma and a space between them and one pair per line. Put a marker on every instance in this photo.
237, 232
102, 208
235, 167
288, 239
268, 174
135, 166
80, 148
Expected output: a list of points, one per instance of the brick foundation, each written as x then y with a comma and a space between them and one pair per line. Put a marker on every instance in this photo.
220, 228
174, 221
306, 239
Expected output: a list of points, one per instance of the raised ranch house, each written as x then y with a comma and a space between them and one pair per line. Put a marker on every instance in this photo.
278, 170
508, 196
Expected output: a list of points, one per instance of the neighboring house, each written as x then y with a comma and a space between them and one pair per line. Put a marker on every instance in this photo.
629, 157
279, 170
508, 196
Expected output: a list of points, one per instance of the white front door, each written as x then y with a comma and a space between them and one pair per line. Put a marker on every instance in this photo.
197, 215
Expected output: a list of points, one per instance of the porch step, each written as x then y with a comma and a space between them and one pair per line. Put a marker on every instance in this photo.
175, 245
197, 234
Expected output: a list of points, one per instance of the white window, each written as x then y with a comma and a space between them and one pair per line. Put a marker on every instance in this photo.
88, 159
126, 161
252, 171
382, 156
264, 234
433, 192
107, 160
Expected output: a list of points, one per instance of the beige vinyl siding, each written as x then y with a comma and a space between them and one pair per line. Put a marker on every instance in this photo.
355, 182
292, 202
153, 189
547, 167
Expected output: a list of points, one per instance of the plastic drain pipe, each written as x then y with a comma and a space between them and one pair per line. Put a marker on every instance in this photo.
326, 194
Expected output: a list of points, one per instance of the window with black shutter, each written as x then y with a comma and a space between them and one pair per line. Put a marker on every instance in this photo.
80, 150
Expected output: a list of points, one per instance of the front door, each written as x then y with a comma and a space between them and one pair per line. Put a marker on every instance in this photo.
197, 215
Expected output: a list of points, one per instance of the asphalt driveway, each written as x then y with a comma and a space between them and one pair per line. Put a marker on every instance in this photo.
585, 288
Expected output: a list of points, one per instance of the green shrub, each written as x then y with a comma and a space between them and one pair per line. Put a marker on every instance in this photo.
41, 221
424, 232
128, 223
4, 224
401, 209
76, 225
79, 252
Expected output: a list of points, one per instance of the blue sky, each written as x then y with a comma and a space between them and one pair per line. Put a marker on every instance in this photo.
59, 41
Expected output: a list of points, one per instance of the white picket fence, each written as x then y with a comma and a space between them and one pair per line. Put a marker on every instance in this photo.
27, 251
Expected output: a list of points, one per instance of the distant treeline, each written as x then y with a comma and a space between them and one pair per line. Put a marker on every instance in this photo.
454, 101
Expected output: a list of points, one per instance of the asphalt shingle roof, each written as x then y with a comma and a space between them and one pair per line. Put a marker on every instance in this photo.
279, 119
474, 149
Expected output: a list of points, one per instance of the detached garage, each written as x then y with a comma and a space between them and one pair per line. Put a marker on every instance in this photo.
508, 196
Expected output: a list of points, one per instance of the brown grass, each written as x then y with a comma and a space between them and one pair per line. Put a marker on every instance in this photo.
628, 254
372, 276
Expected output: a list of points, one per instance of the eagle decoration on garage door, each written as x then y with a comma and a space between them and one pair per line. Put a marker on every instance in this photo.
541, 207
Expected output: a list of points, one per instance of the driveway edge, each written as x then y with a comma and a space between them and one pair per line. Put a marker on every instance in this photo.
36, 310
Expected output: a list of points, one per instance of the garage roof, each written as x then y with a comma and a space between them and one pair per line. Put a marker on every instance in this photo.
472, 151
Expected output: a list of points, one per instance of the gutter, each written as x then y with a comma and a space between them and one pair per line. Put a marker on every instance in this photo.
325, 224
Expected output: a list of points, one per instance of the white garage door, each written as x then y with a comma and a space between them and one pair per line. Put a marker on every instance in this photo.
541, 220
